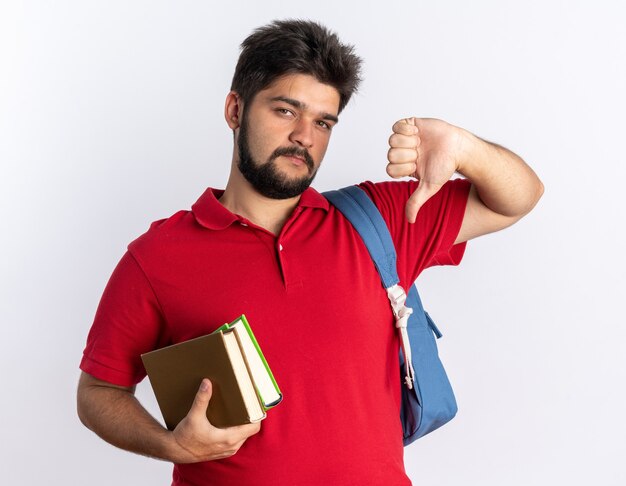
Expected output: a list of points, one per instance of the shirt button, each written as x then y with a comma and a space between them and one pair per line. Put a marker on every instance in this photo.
280, 247
242, 223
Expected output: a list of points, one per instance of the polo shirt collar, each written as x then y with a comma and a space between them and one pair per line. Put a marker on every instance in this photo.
212, 215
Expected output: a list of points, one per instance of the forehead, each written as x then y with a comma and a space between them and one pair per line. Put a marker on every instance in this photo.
314, 95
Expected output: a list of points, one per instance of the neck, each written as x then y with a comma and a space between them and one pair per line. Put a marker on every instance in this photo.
241, 198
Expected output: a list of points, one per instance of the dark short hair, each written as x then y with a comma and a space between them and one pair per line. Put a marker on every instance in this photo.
296, 46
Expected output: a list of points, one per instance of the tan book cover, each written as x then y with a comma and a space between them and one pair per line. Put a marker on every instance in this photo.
176, 371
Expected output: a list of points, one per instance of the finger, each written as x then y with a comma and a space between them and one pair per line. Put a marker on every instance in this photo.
201, 400
402, 155
404, 141
238, 434
406, 126
423, 192
401, 170
249, 429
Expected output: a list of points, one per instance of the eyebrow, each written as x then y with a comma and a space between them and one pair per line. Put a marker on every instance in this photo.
303, 106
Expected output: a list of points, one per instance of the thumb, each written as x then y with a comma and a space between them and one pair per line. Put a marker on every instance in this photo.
423, 192
202, 398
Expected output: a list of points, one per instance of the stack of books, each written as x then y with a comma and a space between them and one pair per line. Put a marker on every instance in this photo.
244, 387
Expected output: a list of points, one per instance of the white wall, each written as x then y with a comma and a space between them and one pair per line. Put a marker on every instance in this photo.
111, 117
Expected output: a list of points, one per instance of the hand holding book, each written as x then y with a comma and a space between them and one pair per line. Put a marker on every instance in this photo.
242, 385
200, 440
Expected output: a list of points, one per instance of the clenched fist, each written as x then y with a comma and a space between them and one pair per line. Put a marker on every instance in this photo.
428, 150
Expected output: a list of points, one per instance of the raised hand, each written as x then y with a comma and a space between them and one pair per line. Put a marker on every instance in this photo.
426, 149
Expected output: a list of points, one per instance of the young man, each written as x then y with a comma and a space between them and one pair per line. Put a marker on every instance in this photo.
271, 247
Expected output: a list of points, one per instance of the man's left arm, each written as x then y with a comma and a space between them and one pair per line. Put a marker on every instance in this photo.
504, 187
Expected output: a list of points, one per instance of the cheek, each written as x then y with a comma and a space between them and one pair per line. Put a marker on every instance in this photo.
320, 149
260, 145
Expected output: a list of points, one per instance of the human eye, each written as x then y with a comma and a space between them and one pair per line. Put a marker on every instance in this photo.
285, 112
324, 125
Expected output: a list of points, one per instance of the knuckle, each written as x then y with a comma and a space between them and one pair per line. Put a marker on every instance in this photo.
227, 444
393, 171
398, 140
200, 399
232, 449
230, 443
226, 449
399, 127
399, 130
404, 155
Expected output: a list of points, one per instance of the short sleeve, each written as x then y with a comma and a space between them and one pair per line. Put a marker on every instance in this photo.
128, 322
430, 241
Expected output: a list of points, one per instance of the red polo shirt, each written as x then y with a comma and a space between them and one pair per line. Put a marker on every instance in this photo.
318, 310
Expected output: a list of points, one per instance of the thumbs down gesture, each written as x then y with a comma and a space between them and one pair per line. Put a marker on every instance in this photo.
428, 150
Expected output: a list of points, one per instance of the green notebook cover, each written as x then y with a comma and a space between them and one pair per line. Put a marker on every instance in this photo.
274, 395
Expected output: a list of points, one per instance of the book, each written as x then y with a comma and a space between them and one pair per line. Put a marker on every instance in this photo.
175, 373
264, 381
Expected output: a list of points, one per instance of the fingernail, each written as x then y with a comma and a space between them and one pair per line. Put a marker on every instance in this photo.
204, 386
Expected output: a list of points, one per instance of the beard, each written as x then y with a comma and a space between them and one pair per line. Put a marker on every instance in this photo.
267, 178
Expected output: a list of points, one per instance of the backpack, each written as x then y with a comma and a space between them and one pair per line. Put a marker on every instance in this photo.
427, 398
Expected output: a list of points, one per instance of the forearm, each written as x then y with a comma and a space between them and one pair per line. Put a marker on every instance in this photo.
504, 182
116, 416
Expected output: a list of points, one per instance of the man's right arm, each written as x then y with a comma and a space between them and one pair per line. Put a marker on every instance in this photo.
114, 413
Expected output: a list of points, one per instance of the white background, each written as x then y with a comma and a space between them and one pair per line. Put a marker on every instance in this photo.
111, 117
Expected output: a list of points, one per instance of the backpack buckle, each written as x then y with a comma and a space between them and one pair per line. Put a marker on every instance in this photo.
397, 297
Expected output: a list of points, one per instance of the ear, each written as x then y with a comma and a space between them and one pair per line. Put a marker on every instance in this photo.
233, 109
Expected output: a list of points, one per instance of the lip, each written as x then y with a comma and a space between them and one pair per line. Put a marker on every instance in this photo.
296, 160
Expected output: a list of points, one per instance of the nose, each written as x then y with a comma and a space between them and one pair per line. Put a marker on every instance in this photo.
302, 133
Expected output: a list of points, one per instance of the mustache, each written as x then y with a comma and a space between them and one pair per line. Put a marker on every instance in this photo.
295, 152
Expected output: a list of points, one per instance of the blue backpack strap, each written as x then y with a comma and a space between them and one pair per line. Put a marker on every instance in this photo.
430, 403
365, 217
367, 220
